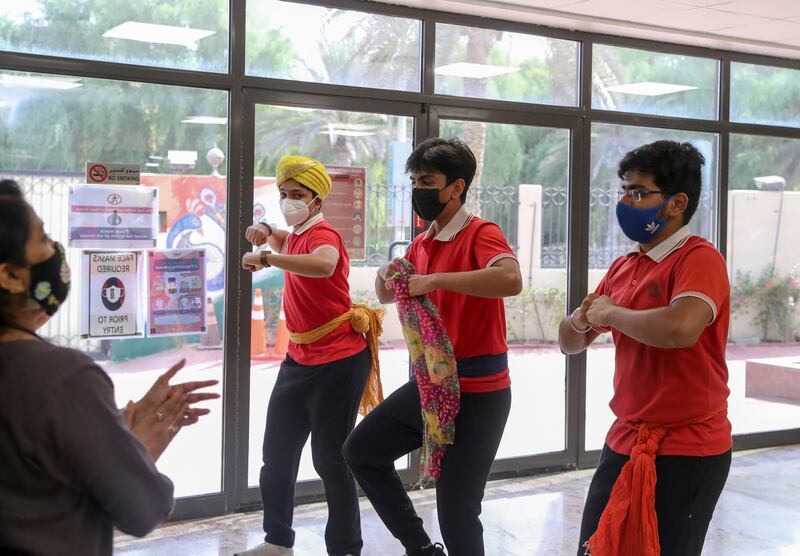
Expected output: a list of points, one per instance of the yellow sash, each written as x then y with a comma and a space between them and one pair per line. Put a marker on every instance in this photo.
364, 320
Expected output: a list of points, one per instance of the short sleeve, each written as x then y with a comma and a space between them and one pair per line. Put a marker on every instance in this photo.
319, 237
702, 273
98, 453
490, 245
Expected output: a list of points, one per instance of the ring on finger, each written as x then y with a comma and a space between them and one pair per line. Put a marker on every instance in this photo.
159, 416
173, 429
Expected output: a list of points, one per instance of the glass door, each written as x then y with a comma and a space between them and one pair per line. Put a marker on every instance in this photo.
364, 151
522, 184
181, 158
609, 144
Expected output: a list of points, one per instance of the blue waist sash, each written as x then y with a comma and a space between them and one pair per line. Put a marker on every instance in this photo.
482, 365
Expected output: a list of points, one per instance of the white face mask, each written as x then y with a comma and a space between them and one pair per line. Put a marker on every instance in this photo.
295, 211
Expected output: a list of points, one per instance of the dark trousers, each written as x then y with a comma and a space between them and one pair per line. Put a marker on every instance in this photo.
323, 401
687, 490
394, 429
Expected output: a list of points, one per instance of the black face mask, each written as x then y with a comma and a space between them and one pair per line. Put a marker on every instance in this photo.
426, 202
50, 280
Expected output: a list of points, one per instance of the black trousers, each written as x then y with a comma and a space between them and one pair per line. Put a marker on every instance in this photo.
687, 490
395, 429
323, 401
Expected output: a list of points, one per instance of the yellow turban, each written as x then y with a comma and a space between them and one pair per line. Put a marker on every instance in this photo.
306, 171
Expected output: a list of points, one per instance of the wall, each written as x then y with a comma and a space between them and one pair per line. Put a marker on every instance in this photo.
763, 229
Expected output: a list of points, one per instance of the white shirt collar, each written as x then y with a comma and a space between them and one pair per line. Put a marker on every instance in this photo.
457, 223
672, 243
313, 221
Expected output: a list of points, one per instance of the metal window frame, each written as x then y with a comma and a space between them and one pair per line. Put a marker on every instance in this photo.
564, 459
247, 497
245, 91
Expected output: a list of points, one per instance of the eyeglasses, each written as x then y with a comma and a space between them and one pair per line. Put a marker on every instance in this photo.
636, 194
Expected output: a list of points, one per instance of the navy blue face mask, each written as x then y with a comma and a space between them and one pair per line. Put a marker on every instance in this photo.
641, 225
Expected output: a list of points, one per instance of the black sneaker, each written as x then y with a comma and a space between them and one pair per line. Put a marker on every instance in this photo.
436, 549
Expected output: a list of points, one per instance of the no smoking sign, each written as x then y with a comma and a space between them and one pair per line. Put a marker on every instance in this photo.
98, 174
115, 174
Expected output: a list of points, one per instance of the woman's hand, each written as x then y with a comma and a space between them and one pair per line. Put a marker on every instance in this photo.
157, 428
161, 390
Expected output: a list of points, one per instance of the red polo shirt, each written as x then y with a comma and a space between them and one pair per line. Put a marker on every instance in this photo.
664, 386
476, 325
311, 302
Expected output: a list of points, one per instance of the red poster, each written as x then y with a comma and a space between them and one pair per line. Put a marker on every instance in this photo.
177, 292
345, 208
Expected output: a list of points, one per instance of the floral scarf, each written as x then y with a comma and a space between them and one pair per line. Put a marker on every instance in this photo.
434, 365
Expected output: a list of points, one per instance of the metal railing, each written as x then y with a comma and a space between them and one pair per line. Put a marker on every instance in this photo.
389, 215
606, 240
388, 210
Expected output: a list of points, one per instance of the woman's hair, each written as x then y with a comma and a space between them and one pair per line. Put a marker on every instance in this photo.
10, 187
15, 229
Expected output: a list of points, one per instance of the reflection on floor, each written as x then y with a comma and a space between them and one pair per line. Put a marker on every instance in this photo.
758, 515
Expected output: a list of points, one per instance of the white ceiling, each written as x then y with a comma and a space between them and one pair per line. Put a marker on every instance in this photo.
769, 27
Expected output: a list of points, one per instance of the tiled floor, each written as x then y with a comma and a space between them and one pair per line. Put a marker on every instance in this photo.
758, 515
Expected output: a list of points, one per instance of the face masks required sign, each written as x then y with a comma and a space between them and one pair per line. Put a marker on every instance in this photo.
176, 283
113, 217
110, 307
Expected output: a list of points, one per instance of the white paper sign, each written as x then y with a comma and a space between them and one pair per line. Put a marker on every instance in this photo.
113, 174
112, 303
102, 217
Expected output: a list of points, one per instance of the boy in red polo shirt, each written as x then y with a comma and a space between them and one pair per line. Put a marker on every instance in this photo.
667, 306
466, 267
321, 381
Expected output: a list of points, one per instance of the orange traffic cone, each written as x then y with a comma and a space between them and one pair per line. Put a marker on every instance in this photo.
258, 340
281, 337
211, 339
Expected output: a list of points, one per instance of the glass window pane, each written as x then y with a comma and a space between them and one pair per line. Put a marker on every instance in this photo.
380, 144
48, 132
644, 82
484, 63
184, 34
521, 185
286, 40
765, 95
610, 143
764, 266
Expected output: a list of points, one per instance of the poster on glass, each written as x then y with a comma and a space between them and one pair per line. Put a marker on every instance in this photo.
113, 217
345, 208
176, 283
110, 297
